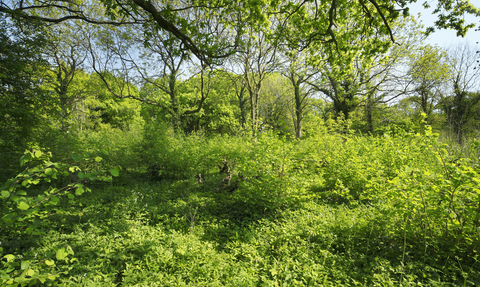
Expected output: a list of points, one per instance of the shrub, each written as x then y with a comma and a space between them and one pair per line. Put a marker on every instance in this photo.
26, 212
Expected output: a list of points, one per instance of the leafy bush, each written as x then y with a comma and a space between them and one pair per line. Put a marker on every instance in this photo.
27, 213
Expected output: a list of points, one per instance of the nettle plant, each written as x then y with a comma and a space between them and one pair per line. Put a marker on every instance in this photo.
27, 211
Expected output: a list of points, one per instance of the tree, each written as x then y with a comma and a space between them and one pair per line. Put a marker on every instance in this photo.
165, 58
240, 88
275, 104
299, 73
256, 62
463, 82
21, 67
66, 54
317, 22
220, 112
427, 71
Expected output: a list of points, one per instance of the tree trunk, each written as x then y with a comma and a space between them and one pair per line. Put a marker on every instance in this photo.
298, 110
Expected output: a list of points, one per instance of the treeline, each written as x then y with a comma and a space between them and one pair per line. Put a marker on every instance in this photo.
60, 81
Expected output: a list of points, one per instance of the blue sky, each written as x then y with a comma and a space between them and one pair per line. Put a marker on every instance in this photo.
444, 38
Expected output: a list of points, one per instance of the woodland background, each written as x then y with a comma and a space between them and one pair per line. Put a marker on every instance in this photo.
268, 143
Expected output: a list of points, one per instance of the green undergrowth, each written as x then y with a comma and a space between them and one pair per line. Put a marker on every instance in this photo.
330, 210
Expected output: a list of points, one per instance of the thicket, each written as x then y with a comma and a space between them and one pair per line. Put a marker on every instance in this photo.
400, 209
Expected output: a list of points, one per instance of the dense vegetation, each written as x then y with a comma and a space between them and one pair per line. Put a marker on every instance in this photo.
397, 209
272, 143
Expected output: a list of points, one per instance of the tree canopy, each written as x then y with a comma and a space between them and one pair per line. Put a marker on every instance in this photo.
213, 29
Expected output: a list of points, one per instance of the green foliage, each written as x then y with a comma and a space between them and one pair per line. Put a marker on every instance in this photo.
443, 201
332, 209
21, 68
26, 212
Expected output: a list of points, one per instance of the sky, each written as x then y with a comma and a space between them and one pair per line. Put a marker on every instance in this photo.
444, 38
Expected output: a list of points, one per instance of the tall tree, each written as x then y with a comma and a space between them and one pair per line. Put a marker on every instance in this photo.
318, 22
21, 94
299, 73
66, 54
275, 104
463, 82
427, 71
240, 89
257, 61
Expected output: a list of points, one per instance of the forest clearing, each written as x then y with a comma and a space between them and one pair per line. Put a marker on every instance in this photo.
237, 143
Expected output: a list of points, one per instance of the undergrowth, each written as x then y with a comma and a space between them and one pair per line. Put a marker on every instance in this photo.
329, 210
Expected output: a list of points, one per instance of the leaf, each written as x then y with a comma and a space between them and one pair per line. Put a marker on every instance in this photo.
5, 193
25, 158
79, 191
70, 250
38, 154
273, 271
9, 257
49, 171
24, 265
114, 171
81, 175
77, 157
98, 159
30, 272
61, 254
23, 206
30, 229
49, 262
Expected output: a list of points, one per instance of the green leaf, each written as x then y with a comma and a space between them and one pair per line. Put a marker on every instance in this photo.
61, 254
49, 262
5, 193
81, 175
98, 159
79, 191
70, 250
30, 272
77, 157
38, 154
49, 171
71, 196
9, 257
114, 171
24, 265
23, 206
25, 158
